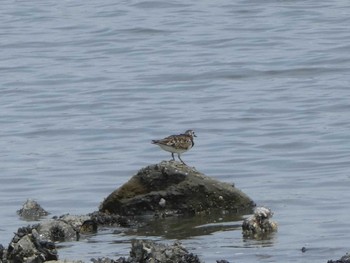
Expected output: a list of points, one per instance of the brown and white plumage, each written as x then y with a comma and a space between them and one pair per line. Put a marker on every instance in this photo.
177, 143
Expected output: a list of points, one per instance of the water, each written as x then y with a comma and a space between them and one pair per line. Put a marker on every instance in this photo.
85, 87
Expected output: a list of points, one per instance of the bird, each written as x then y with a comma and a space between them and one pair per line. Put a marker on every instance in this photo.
177, 143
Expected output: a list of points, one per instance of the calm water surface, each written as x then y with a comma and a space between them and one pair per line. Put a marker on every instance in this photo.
86, 85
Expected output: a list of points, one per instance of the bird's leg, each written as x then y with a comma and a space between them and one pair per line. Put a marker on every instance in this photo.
178, 155
172, 155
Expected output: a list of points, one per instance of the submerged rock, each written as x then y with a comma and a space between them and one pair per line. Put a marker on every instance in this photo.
259, 224
31, 210
171, 188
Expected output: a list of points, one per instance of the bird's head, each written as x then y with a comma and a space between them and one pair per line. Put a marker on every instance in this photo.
190, 133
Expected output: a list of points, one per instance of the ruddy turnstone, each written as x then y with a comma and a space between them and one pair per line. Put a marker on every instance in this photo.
177, 143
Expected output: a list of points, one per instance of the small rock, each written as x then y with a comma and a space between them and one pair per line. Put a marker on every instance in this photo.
190, 258
148, 251
31, 210
259, 224
88, 227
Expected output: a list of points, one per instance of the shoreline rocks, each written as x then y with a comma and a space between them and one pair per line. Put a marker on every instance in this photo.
158, 190
172, 188
36, 243
169, 188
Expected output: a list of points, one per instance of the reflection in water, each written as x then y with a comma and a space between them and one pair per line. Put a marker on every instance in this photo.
266, 240
185, 227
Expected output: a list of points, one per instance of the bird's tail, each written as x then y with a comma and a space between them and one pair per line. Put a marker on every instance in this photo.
155, 141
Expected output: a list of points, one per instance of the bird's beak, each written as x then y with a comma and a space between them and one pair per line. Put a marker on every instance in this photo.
194, 135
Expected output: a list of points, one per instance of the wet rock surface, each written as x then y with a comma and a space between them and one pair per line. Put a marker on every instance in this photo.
172, 188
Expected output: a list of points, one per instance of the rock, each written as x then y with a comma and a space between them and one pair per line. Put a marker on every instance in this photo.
82, 224
172, 188
76, 221
31, 210
35, 243
344, 259
146, 251
259, 225
66, 228
57, 230
27, 246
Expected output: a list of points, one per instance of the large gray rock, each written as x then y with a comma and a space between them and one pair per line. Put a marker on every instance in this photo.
171, 188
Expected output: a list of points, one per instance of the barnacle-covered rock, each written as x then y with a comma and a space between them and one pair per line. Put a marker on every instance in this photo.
31, 210
27, 246
259, 225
